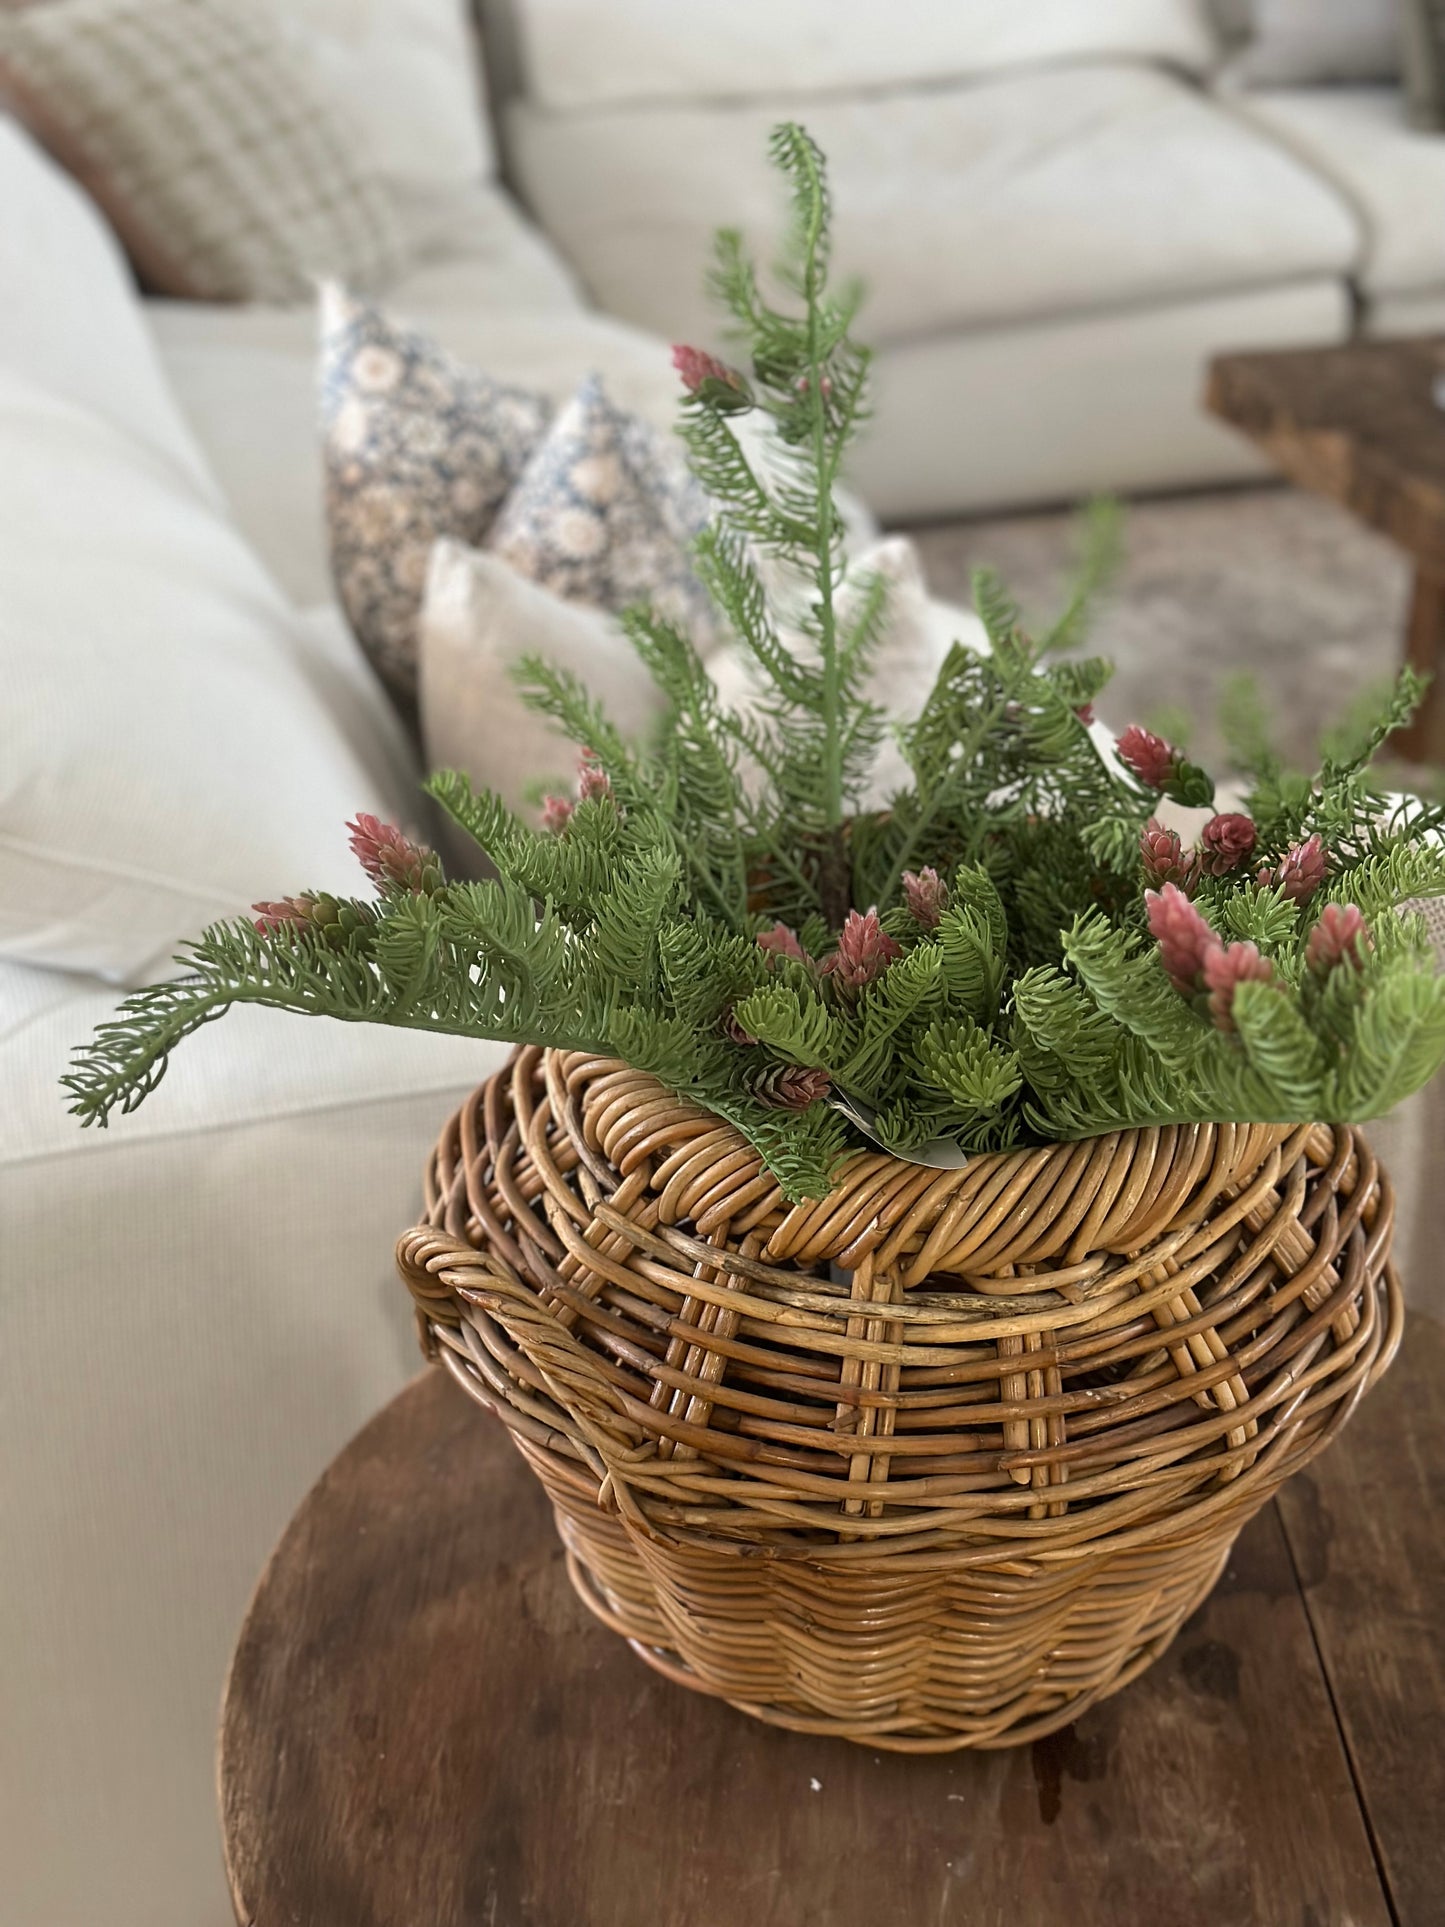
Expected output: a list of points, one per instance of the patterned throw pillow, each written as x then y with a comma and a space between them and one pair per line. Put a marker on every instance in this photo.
417, 447
225, 174
606, 514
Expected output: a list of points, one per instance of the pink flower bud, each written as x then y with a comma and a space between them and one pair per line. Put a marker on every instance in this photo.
273, 916
1184, 938
1225, 970
780, 941
593, 782
391, 859
926, 895
1166, 860
712, 380
1085, 713
556, 814
1340, 936
864, 952
1225, 842
1300, 874
1152, 760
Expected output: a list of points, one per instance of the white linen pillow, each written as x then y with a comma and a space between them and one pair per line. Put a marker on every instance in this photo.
69, 315
167, 755
409, 72
1301, 43
480, 618
579, 54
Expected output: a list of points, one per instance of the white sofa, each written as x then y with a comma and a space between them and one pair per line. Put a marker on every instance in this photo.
1060, 212
197, 1308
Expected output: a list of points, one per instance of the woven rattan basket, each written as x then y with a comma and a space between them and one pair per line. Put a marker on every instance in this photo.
936, 1462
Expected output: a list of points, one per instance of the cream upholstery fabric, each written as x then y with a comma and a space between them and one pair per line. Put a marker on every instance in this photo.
226, 174
1032, 196
197, 1309
479, 620
409, 73
1359, 139
579, 54
1053, 411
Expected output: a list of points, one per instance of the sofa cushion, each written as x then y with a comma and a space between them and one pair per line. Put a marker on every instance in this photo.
575, 53
1359, 139
409, 72
1035, 194
227, 174
68, 312
168, 746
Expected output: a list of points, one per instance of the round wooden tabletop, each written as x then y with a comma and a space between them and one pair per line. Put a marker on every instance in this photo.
423, 1728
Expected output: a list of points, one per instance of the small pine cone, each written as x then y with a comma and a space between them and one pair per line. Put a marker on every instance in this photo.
864, 952
1225, 969
733, 1030
1225, 842
781, 941
1340, 936
926, 895
273, 915
1302, 870
556, 814
1152, 760
1184, 938
791, 1087
391, 859
1166, 860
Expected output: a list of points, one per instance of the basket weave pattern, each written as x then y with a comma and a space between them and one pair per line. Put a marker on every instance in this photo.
936, 1461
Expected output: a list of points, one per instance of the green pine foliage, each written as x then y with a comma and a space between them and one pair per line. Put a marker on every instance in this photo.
976, 962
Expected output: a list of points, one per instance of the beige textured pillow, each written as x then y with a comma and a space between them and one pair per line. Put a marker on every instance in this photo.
479, 619
417, 447
227, 175
606, 513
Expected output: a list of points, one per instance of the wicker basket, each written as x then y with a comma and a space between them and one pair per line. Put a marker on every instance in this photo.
936, 1462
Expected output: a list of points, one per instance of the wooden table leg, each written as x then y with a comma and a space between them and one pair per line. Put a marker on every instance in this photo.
1424, 740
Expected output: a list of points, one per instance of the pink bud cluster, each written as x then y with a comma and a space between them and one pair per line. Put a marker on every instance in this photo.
1198, 962
593, 784
1340, 936
1195, 958
926, 895
1225, 842
781, 941
1152, 760
1166, 860
864, 952
273, 915
1300, 872
390, 858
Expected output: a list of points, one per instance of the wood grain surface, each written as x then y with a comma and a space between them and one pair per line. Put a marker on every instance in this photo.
424, 1728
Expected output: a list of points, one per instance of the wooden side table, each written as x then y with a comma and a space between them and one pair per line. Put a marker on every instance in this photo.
1360, 425
424, 1728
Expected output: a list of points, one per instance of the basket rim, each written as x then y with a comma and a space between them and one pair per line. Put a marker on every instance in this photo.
1112, 1193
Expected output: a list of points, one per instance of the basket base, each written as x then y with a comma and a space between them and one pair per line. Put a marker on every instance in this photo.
1030, 1715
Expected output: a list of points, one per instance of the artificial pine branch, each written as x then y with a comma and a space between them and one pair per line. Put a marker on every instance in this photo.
1012, 951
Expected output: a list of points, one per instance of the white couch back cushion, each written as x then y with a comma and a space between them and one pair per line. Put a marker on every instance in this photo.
174, 742
577, 53
409, 72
